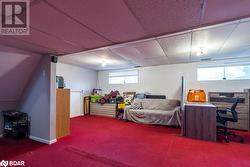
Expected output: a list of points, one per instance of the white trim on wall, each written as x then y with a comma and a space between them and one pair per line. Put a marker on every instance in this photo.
43, 140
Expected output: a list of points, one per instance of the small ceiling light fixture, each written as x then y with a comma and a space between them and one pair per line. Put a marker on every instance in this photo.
104, 63
202, 51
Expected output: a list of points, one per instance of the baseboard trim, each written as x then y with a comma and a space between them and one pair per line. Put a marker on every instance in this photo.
43, 140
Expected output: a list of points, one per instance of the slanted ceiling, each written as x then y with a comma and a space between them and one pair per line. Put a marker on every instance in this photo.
16, 69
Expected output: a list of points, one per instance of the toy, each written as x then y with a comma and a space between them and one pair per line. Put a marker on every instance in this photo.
97, 91
107, 97
128, 97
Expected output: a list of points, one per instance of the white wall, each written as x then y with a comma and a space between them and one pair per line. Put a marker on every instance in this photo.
166, 79
80, 81
77, 78
16, 68
52, 102
38, 101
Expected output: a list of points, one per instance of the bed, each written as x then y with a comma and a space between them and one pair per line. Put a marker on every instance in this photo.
154, 111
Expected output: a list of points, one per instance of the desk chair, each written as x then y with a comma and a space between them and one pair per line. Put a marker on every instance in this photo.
225, 115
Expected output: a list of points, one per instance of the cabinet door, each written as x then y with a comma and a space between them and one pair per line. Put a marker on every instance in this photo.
200, 122
62, 112
76, 104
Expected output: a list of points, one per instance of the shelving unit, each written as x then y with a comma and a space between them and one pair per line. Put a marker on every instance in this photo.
16, 124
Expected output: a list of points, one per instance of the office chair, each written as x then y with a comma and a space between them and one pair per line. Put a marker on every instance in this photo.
225, 115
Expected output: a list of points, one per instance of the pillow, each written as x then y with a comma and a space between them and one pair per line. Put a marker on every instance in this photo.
136, 106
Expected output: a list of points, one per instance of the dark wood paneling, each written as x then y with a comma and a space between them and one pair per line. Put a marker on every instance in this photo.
199, 122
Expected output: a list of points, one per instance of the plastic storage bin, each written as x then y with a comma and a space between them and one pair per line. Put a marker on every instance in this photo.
94, 99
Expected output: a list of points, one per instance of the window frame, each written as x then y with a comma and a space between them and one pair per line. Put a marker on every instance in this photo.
123, 76
225, 76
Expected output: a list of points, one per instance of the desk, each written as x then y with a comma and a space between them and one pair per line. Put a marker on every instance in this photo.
199, 121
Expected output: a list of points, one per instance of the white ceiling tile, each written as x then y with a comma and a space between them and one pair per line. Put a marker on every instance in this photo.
127, 52
239, 40
219, 41
56, 23
149, 49
113, 19
179, 59
152, 61
211, 39
239, 52
177, 47
142, 53
165, 16
223, 10
95, 60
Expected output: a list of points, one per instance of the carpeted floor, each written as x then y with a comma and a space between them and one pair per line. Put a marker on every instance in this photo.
107, 142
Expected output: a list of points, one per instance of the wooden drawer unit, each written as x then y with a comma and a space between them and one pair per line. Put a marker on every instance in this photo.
62, 112
220, 100
107, 110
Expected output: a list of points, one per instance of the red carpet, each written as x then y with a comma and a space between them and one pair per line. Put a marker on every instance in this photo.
107, 142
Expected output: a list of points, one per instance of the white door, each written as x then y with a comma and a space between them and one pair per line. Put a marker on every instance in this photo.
76, 103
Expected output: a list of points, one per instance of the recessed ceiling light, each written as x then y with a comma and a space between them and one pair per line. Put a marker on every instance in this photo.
202, 51
104, 63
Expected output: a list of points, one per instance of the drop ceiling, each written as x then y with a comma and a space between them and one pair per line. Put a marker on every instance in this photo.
63, 27
222, 41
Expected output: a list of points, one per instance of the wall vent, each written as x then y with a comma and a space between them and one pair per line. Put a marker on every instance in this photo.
206, 59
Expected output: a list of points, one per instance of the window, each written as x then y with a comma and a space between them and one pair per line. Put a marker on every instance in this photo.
226, 72
123, 77
212, 73
237, 72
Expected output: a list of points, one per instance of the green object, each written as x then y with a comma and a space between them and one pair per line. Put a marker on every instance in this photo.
94, 99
